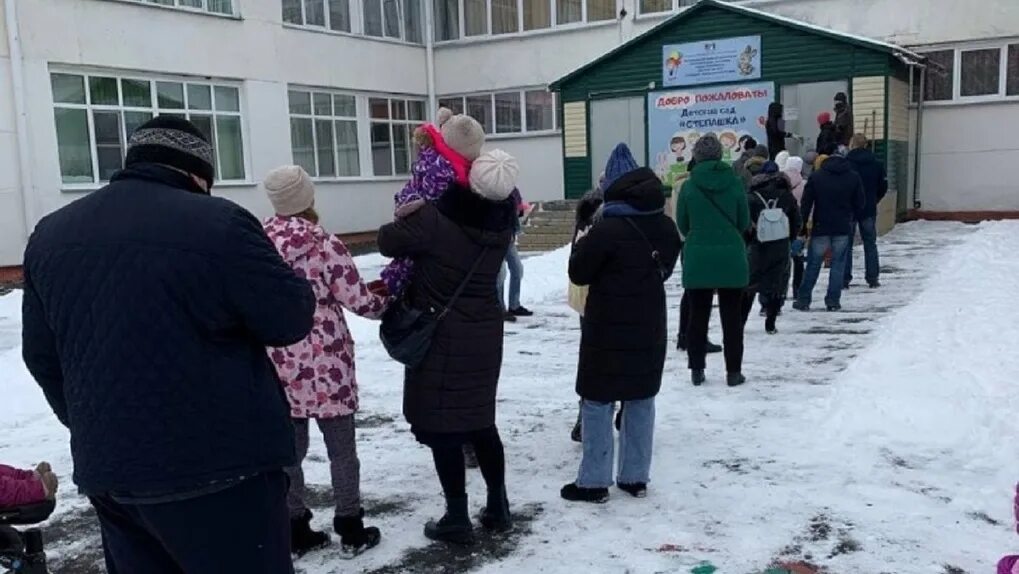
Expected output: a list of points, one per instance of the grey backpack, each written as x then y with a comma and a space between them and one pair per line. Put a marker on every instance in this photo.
772, 223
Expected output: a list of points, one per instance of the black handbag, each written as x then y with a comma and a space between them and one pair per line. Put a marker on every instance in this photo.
407, 332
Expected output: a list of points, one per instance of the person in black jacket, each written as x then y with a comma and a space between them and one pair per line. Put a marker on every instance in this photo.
827, 139
843, 120
834, 198
875, 186
449, 399
148, 306
625, 259
770, 261
587, 207
775, 129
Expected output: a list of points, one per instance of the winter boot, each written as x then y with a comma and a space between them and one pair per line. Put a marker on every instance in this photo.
697, 377
355, 537
769, 326
454, 526
735, 379
302, 538
712, 348
496, 515
575, 493
576, 435
636, 490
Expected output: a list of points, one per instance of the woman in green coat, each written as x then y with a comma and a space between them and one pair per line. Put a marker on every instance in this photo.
713, 216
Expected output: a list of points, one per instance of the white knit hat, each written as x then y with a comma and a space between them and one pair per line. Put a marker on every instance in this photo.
494, 175
464, 135
290, 190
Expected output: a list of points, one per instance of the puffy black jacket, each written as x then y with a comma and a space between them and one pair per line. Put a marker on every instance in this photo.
623, 343
454, 389
834, 196
148, 307
769, 262
872, 173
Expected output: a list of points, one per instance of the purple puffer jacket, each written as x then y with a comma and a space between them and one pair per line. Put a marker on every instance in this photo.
430, 177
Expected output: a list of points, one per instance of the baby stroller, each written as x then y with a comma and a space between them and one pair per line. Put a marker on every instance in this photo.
21, 552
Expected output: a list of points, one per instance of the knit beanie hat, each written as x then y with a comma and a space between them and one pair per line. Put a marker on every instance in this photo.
823, 118
781, 159
795, 163
290, 190
761, 151
841, 97
620, 163
464, 135
494, 175
707, 148
769, 167
175, 142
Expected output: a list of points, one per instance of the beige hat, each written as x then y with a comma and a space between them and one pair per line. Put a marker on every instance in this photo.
494, 175
464, 135
290, 190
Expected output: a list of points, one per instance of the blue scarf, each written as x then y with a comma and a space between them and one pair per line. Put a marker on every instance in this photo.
623, 209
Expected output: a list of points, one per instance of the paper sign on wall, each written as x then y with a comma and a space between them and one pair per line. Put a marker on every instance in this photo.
711, 61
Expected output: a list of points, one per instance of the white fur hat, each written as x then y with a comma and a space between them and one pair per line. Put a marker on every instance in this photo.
290, 190
494, 175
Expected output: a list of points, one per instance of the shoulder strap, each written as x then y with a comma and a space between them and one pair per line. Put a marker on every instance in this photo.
655, 255
463, 284
722, 211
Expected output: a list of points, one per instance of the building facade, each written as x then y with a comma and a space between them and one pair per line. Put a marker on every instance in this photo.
337, 86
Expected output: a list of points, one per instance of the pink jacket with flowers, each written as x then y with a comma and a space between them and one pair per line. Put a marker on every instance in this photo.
318, 372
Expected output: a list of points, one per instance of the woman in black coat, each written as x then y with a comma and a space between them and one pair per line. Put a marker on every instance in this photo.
770, 262
775, 128
625, 259
449, 400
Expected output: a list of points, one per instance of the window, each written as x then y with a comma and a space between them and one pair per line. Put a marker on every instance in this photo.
323, 133
330, 14
497, 17
399, 19
1012, 71
938, 85
511, 112
980, 72
392, 125
212, 6
95, 115
654, 6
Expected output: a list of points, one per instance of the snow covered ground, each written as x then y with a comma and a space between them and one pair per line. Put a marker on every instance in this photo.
880, 440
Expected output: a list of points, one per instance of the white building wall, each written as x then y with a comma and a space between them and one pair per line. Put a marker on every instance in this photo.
12, 219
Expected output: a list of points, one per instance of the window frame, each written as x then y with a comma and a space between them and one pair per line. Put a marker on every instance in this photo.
488, 35
358, 22
333, 119
674, 5
154, 109
177, 5
392, 122
521, 93
956, 77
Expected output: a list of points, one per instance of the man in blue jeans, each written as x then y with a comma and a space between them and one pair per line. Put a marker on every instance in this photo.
875, 186
515, 266
834, 198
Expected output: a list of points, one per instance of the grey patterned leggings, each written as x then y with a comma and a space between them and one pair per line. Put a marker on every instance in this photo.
344, 466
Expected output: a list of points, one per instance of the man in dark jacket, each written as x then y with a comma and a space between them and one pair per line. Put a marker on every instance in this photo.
843, 120
834, 198
625, 259
775, 129
875, 186
148, 306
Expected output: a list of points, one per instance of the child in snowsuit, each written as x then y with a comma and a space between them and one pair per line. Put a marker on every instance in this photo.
23, 487
318, 372
446, 153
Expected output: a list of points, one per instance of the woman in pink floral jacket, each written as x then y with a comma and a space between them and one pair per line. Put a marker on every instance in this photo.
318, 372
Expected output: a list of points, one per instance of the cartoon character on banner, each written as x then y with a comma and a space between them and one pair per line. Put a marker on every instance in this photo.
672, 64
671, 164
730, 145
746, 61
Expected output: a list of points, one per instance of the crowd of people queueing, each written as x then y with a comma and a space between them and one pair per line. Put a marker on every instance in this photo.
187, 346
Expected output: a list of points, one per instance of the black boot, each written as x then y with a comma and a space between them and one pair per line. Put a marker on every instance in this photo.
576, 435
735, 379
454, 526
712, 348
575, 493
302, 538
697, 377
496, 515
356, 538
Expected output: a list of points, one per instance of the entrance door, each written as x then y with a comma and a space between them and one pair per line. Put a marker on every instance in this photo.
803, 102
615, 121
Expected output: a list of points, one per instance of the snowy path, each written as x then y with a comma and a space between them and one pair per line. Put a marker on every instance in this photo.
877, 440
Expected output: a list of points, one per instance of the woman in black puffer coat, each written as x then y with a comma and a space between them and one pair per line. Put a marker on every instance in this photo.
625, 259
449, 400
770, 262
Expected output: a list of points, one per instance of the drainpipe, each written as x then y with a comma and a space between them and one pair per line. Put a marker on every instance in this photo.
430, 58
20, 121
917, 158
